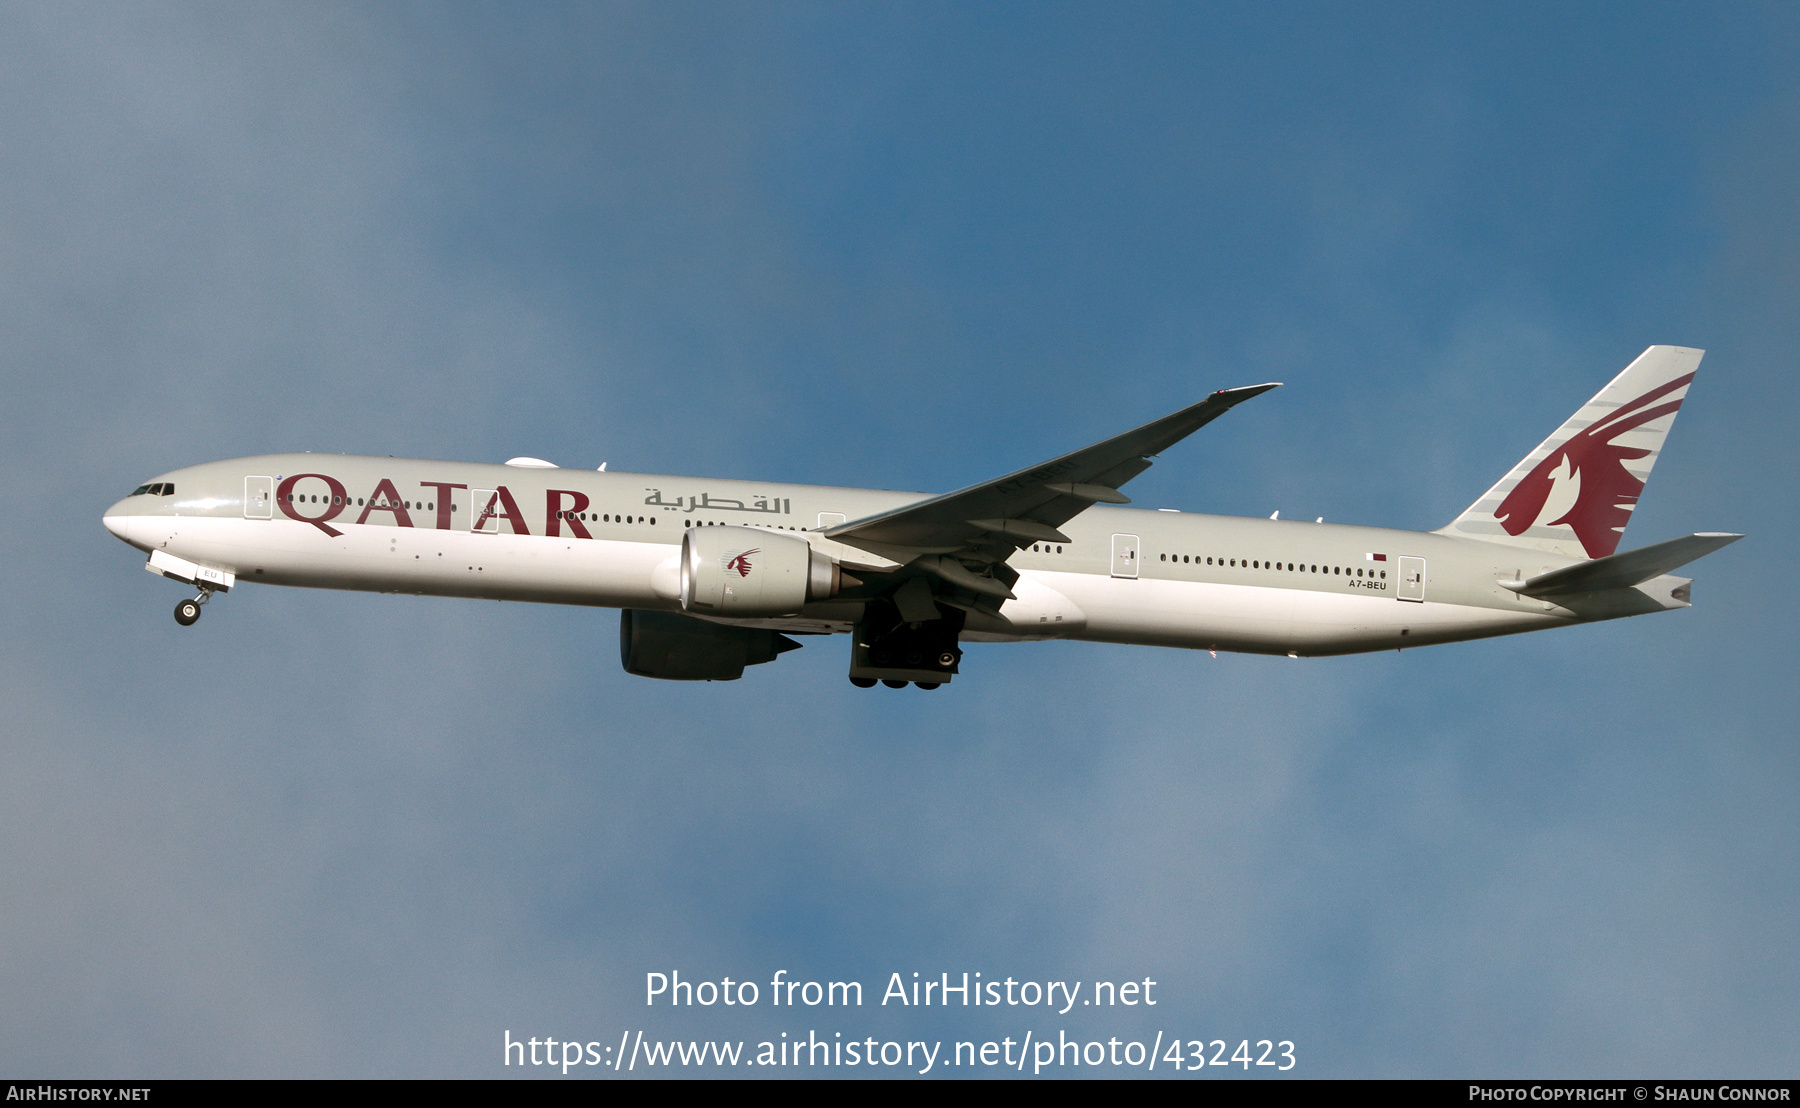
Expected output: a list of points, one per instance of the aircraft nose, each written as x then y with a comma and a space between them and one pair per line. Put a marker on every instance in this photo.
118, 522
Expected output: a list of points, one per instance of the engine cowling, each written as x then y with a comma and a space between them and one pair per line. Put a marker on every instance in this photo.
675, 647
746, 572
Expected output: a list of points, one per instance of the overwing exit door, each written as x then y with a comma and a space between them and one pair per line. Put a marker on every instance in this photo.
1125, 556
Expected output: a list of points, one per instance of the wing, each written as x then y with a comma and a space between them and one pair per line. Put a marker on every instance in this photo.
966, 536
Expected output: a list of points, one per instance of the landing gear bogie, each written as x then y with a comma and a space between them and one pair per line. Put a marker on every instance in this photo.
899, 652
892, 683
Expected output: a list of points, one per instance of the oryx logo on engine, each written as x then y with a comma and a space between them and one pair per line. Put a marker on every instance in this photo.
740, 563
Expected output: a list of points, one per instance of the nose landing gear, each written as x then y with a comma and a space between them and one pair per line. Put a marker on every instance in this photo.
187, 613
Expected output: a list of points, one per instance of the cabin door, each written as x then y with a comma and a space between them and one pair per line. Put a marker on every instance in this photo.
1412, 579
1125, 556
259, 498
484, 506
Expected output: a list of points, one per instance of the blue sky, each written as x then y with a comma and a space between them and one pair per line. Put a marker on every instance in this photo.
906, 246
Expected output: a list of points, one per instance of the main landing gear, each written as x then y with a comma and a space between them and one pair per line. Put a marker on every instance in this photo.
187, 613
898, 652
869, 683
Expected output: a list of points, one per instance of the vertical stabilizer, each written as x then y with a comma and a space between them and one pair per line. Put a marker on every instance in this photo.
1575, 493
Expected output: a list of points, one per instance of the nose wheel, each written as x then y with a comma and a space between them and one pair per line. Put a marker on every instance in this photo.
187, 613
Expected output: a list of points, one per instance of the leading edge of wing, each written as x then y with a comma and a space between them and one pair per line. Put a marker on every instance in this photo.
1049, 493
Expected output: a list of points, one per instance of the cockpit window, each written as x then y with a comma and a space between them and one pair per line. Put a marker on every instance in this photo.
167, 490
160, 488
140, 490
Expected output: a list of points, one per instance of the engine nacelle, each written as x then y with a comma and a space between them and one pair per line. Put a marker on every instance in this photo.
746, 572
675, 647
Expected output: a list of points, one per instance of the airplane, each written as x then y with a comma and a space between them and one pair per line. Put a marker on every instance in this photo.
713, 576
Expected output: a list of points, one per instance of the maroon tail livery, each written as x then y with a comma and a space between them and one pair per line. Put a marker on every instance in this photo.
1607, 490
1575, 493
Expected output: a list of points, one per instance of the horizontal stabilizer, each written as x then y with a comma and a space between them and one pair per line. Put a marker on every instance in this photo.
1621, 571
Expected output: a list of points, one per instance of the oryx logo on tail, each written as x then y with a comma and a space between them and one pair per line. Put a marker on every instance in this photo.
1575, 493
1603, 492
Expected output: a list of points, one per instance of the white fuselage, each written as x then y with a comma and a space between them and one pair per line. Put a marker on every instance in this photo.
576, 537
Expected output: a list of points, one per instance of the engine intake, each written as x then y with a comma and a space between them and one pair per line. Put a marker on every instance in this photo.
743, 571
675, 647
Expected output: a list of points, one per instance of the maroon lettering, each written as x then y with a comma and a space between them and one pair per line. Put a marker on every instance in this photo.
508, 507
386, 498
555, 515
284, 496
443, 501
